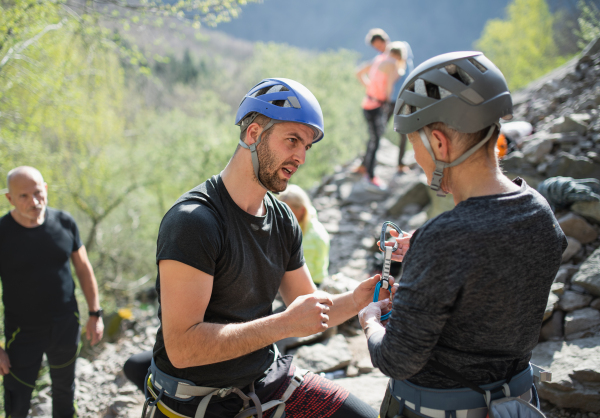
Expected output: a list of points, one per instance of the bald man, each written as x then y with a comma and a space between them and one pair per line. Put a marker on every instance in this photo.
40, 309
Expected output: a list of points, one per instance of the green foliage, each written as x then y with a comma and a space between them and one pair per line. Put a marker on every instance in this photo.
522, 45
589, 23
117, 147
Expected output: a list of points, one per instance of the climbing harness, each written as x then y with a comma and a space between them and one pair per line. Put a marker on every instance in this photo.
387, 262
159, 384
405, 398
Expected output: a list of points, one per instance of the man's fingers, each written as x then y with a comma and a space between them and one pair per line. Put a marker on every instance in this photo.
324, 299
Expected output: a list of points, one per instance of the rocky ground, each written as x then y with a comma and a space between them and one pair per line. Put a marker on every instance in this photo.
564, 110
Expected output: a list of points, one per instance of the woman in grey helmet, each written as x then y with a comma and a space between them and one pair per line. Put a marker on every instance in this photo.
468, 308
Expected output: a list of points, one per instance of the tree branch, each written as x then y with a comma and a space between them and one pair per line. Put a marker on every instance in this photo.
16, 50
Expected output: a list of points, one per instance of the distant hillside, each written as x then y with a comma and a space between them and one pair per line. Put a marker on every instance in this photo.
431, 26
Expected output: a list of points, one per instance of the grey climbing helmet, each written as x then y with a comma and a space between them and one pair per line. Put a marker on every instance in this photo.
464, 90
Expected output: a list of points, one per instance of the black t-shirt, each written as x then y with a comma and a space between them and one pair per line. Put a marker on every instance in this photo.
247, 256
37, 284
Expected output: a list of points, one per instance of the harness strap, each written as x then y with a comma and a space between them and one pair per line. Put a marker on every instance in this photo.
252, 147
184, 389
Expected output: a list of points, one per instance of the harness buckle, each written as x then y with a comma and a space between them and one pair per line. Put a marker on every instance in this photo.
224, 391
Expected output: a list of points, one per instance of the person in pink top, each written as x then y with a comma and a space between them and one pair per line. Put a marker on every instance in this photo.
378, 77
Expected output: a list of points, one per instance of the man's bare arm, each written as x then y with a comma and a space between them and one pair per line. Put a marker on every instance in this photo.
298, 282
89, 286
189, 341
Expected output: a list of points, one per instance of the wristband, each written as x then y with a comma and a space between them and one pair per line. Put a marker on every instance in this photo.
97, 313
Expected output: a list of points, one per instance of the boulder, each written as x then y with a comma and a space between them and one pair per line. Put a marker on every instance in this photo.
575, 367
588, 209
571, 301
536, 149
338, 283
577, 122
363, 191
572, 249
595, 304
565, 273
575, 226
550, 305
411, 189
516, 165
581, 321
568, 165
387, 153
588, 275
327, 356
553, 328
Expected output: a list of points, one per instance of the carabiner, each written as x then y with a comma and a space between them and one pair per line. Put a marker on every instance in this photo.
387, 262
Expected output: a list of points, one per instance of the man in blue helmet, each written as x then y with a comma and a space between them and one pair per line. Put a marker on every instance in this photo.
475, 280
225, 249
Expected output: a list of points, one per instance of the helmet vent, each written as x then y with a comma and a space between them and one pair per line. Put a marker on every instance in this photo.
444, 93
420, 87
477, 64
465, 77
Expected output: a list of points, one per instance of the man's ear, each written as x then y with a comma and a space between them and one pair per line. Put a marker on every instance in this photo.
441, 145
9, 199
252, 133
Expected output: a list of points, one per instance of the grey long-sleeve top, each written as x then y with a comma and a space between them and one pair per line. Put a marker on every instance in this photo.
473, 291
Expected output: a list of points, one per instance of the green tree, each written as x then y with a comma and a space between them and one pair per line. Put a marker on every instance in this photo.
522, 45
589, 23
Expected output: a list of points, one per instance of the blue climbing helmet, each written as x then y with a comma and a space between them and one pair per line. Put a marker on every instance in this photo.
281, 100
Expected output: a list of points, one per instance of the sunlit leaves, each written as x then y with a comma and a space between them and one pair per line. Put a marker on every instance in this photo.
522, 45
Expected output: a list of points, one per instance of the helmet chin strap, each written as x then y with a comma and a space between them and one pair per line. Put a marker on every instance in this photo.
438, 174
252, 147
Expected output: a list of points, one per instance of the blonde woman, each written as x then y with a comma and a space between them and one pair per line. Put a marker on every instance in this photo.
315, 239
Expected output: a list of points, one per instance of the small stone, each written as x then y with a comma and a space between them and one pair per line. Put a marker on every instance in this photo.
557, 288
572, 249
588, 209
572, 301
364, 365
352, 371
577, 227
581, 320
571, 123
550, 305
553, 328
595, 304
588, 275
333, 354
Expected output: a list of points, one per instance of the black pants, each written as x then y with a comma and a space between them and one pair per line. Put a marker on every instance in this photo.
403, 137
25, 348
376, 119
136, 368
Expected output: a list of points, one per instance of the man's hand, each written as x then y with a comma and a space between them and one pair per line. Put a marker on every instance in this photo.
403, 244
94, 329
307, 314
363, 294
4, 363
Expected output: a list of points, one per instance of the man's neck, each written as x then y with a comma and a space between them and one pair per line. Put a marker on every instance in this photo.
240, 181
28, 222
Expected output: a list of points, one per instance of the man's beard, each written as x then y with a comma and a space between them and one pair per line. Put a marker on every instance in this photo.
268, 171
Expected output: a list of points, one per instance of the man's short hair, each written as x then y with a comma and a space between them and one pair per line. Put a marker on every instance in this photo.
376, 33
